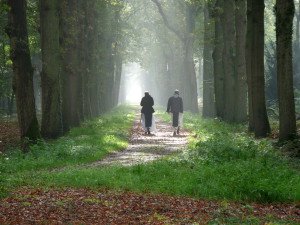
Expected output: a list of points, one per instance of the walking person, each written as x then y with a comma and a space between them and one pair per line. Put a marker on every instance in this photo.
175, 106
147, 111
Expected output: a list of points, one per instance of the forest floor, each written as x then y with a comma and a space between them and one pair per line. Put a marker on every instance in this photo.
27, 205
9, 133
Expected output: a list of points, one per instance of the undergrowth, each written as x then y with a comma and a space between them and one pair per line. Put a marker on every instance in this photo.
222, 161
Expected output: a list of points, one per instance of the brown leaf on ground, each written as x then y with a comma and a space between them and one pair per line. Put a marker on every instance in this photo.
84, 206
9, 134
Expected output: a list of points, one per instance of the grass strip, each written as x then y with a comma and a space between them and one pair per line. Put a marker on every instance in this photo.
92, 141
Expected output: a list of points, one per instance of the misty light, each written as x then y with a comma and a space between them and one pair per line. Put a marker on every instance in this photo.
132, 83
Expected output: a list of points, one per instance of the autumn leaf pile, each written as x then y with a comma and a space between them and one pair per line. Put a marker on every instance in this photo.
84, 206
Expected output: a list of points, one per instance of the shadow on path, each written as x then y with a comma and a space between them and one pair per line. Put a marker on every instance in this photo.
144, 148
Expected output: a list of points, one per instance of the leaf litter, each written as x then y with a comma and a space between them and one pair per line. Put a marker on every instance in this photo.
90, 206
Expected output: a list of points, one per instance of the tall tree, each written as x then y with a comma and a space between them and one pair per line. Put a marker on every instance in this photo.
297, 50
190, 89
91, 77
218, 60
23, 71
249, 43
229, 60
117, 59
208, 75
284, 10
50, 78
255, 75
240, 62
72, 106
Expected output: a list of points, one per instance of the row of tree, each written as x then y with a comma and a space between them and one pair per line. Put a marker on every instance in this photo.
84, 44
238, 57
231, 34
81, 63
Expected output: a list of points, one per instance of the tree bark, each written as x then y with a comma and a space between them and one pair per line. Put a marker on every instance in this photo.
284, 33
249, 47
241, 84
208, 76
23, 71
51, 97
118, 61
296, 60
218, 61
91, 80
117, 82
190, 89
107, 78
229, 61
200, 76
261, 124
71, 78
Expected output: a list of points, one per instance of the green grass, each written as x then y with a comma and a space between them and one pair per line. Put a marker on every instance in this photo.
239, 181
92, 141
222, 162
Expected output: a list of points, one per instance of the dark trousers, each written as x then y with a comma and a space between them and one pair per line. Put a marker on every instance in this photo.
175, 119
148, 119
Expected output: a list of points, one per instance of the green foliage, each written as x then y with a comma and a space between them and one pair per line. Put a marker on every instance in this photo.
223, 162
33, 21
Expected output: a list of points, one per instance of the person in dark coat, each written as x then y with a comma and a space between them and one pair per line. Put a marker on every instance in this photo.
147, 103
175, 106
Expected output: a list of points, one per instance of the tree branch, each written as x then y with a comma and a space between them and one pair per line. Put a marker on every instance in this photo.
166, 22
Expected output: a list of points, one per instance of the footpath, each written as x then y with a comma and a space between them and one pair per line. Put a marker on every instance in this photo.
145, 148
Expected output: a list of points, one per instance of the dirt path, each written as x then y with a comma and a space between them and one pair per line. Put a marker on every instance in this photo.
144, 148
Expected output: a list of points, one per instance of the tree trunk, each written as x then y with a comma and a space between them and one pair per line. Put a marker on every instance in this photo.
218, 61
200, 77
190, 89
107, 78
71, 78
117, 60
23, 71
297, 51
51, 98
284, 33
229, 61
260, 119
241, 85
117, 82
83, 48
91, 80
208, 76
249, 47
